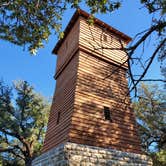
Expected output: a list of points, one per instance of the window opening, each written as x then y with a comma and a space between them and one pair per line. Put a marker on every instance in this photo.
58, 118
105, 37
107, 114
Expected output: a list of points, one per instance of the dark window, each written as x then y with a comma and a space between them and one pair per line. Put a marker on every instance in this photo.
105, 37
107, 114
58, 118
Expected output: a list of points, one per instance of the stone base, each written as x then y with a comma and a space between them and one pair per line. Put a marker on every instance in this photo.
71, 154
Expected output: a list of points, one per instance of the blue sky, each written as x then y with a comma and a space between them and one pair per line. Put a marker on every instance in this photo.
16, 63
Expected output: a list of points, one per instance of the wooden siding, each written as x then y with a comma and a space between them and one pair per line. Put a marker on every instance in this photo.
92, 38
94, 91
69, 45
88, 81
63, 102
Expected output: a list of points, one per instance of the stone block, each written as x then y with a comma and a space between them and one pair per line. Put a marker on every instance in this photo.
71, 154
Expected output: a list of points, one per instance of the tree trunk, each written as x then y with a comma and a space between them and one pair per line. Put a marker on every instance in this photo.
28, 161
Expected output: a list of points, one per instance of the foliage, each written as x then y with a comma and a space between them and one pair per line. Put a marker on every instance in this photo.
159, 158
30, 23
23, 120
9, 160
150, 111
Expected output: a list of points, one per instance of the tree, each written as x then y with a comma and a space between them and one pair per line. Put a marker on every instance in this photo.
23, 120
30, 23
150, 112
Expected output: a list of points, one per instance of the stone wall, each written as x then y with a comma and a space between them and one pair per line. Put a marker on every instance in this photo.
71, 154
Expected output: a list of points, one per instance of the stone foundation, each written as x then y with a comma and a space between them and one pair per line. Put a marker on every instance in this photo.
71, 154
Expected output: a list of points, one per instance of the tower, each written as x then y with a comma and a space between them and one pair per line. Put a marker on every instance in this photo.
91, 121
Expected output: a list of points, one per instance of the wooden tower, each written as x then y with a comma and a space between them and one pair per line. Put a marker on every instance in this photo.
90, 104
91, 121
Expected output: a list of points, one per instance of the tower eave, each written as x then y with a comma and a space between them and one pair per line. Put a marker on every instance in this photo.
98, 22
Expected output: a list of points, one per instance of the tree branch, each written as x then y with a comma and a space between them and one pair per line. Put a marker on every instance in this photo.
11, 150
21, 139
158, 80
149, 64
144, 37
5, 4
